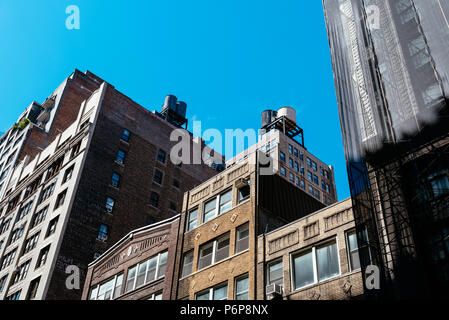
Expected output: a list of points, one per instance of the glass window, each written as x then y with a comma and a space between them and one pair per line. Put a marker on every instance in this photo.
276, 273
309, 176
327, 261
162, 264
161, 156
193, 220
242, 241
225, 202
130, 279
242, 288
283, 172
210, 210
244, 193
154, 199
109, 204
125, 135
291, 162
103, 232
222, 251
282, 156
115, 180
303, 272
158, 176
290, 149
295, 153
221, 293
121, 156
206, 255
187, 263
356, 251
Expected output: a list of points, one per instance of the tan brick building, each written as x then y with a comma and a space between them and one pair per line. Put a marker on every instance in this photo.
315, 257
220, 223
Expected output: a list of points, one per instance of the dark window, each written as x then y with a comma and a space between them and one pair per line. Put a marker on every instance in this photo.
110, 204
52, 226
282, 156
43, 257
244, 193
242, 241
60, 199
161, 155
154, 199
68, 174
176, 183
103, 232
121, 156
158, 176
32, 291
125, 135
115, 181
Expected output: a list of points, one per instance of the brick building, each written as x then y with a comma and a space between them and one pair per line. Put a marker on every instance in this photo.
283, 140
220, 222
144, 257
314, 257
93, 166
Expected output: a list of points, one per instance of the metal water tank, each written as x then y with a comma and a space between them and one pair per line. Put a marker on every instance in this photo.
181, 108
170, 102
268, 116
288, 112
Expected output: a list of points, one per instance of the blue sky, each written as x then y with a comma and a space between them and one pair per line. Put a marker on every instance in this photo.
229, 60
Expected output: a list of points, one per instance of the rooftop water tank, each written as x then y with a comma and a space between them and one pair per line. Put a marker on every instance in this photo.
288, 112
268, 116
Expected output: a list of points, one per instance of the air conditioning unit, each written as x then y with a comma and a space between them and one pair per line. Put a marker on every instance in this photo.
239, 183
274, 290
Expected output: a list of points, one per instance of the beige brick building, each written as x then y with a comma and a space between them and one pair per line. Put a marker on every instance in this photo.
220, 223
315, 257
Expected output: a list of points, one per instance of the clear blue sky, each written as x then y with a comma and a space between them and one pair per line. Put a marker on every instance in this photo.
229, 60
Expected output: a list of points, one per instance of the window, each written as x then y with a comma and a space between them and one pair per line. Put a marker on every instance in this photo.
296, 166
316, 264
147, 271
103, 232
291, 162
187, 263
108, 290
31, 242
3, 283
7, 259
439, 182
60, 199
161, 156
17, 234
75, 150
224, 202
314, 166
32, 291
290, 149
68, 174
315, 179
242, 235
158, 176
193, 219
22, 272
302, 184
39, 217
52, 226
54, 168
24, 210
323, 185
120, 157
47, 192
292, 177
154, 199
296, 153
244, 192
115, 180
309, 162
275, 273
14, 296
125, 135
155, 296
358, 252
283, 172
176, 183
5, 226
214, 251
43, 257
309, 176
282, 156
219, 292
241, 288
110, 204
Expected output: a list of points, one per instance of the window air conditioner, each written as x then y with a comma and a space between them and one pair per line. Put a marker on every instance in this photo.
274, 289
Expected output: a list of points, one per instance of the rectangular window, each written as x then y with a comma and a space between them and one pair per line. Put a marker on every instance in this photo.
39, 217
161, 156
291, 162
60, 199
309, 162
225, 202
22, 272
3, 283
315, 179
242, 288
276, 273
115, 180
314, 166
187, 264
283, 172
214, 251
292, 177
31, 242
290, 149
47, 192
242, 241
295, 153
219, 292
358, 252
282, 156
14, 296
8, 259
296, 166
309, 176
154, 199
193, 220
244, 192
316, 264
125, 135
68, 174
103, 232
52, 227
121, 155
109, 204
147, 271
32, 291
108, 290
158, 175
43, 257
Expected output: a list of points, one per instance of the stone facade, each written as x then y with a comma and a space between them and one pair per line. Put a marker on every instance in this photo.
319, 228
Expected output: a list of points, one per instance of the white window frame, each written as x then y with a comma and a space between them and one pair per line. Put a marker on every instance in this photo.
314, 262
348, 252
237, 279
97, 287
145, 281
217, 205
213, 289
214, 244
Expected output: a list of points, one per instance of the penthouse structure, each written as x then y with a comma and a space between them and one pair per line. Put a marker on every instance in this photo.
93, 166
